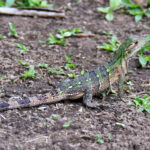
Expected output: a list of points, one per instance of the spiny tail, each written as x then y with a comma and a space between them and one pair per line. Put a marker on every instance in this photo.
32, 101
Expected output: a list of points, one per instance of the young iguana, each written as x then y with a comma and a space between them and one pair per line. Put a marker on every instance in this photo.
88, 84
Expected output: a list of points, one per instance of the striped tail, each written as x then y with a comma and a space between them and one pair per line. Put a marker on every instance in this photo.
32, 101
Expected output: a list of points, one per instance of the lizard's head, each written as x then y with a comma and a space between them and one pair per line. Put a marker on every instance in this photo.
136, 44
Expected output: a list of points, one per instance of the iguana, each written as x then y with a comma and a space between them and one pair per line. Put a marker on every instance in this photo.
90, 83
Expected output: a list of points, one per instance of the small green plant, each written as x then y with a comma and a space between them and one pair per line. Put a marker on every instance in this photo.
120, 124
53, 40
82, 72
142, 104
112, 46
109, 10
44, 124
23, 48
61, 70
28, 3
66, 124
71, 75
109, 137
99, 139
1, 36
128, 86
55, 116
43, 65
30, 73
64, 33
68, 58
121, 117
2, 77
13, 30
55, 70
23, 63
2, 3
60, 35
136, 10
143, 58
69, 65
108, 33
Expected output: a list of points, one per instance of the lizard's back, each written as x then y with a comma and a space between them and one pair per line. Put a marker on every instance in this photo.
93, 78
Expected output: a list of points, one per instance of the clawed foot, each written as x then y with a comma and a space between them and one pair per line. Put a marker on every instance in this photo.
92, 105
113, 91
96, 105
107, 106
122, 99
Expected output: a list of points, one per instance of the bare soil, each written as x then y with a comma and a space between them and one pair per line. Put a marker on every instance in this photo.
35, 128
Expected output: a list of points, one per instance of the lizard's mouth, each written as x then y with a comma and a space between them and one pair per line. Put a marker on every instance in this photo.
128, 51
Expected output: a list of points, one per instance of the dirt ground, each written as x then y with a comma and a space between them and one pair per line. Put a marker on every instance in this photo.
35, 128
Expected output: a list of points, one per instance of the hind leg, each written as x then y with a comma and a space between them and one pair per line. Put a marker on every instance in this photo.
87, 98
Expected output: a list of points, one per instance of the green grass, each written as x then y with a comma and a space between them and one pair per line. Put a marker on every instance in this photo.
112, 44
13, 31
64, 33
43, 65
109, 10
2, 3
99, 139
30, 73
26, 3
23, 63
132, 8
53, 40
128, 86
1, 36
23, 48
68, 66
136, 10
120, 124
55, 116
2, 77
61, 70
55, 70
67, 124
142, 104
82, 72
60, 35
144, 58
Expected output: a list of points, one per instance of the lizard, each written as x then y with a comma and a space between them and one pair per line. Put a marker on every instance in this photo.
87, 85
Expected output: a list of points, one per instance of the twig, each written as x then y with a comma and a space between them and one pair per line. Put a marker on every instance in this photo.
84, 35
42, 8
23, 12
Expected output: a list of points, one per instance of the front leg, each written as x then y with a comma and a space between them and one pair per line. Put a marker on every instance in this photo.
121, 86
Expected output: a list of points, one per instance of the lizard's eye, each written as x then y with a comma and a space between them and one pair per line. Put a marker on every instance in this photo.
136, 42
133, 44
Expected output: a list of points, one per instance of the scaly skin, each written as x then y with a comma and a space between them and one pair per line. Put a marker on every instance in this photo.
88, 84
